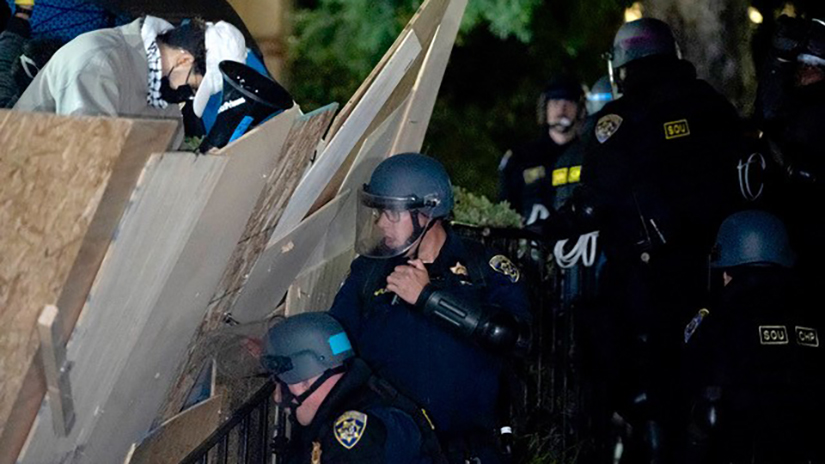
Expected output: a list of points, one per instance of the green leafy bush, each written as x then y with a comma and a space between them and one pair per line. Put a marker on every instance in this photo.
478, 210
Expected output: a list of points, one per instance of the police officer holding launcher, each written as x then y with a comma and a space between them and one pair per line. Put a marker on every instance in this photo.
660, 175
431, 313
754, 359
341, 412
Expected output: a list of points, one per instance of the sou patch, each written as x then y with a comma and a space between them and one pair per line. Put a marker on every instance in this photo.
349, 428
503, 265
607, 126
676, 129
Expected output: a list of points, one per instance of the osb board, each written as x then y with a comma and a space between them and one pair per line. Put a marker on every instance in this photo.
282, 261
303, 138
424, 22
177, 437
58, 207
315, 288
162, 211
181, 304
299, 147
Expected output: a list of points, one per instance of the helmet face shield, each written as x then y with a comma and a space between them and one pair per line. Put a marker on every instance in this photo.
387, 227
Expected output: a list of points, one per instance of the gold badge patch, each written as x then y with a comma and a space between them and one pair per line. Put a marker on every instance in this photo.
607, 126
773, 335
503, 265
676, 129
533, 174
806, 336
459, 269
349, 428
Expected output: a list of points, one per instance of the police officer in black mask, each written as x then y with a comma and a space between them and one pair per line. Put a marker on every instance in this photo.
660, 174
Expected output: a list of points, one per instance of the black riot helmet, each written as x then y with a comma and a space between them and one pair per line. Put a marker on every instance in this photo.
405, 183
562, 87
304, 346
753, 238
642, 38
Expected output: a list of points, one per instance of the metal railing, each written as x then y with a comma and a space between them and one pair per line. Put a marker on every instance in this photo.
245, 438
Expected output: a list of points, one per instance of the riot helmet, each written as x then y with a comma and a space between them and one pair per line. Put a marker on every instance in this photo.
599, 94
754, 238
562, 87
640, 39
407, 193
304, 346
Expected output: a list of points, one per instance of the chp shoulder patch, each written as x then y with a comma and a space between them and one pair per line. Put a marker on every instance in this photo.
503, 265
607, 126
349, 428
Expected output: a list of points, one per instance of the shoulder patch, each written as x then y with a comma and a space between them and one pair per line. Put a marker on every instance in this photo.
676, 129
503, 265
349, 428
607, 126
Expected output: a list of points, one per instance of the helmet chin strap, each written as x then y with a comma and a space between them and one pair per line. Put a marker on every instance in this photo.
422, 230
288, 400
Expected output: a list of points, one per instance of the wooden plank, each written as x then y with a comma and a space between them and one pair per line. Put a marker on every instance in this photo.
56, 370
351, 133
425, 92
282, 261
181, 303
299, 147
315, 288
423, 23
163, 210
178, 436
65, 182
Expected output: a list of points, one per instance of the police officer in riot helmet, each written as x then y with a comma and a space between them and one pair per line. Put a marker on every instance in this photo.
341, 412
433, 314
526, 172
791, 109
659, 175
753, 358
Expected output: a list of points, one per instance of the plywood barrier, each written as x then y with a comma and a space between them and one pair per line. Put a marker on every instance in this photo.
64, 183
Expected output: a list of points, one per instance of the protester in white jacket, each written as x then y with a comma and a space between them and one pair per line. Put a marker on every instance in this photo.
142, 69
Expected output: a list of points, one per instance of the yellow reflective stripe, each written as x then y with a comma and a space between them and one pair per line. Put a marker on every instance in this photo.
575, 174
559, 176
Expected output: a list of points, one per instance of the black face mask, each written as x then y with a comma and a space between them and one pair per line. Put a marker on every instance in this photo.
182, 94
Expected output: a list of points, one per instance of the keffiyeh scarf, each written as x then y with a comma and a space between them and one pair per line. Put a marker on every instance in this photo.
151, 28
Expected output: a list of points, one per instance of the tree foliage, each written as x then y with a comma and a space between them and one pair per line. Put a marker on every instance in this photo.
505, 52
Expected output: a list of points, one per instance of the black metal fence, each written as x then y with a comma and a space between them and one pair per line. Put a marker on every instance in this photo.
247, 437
